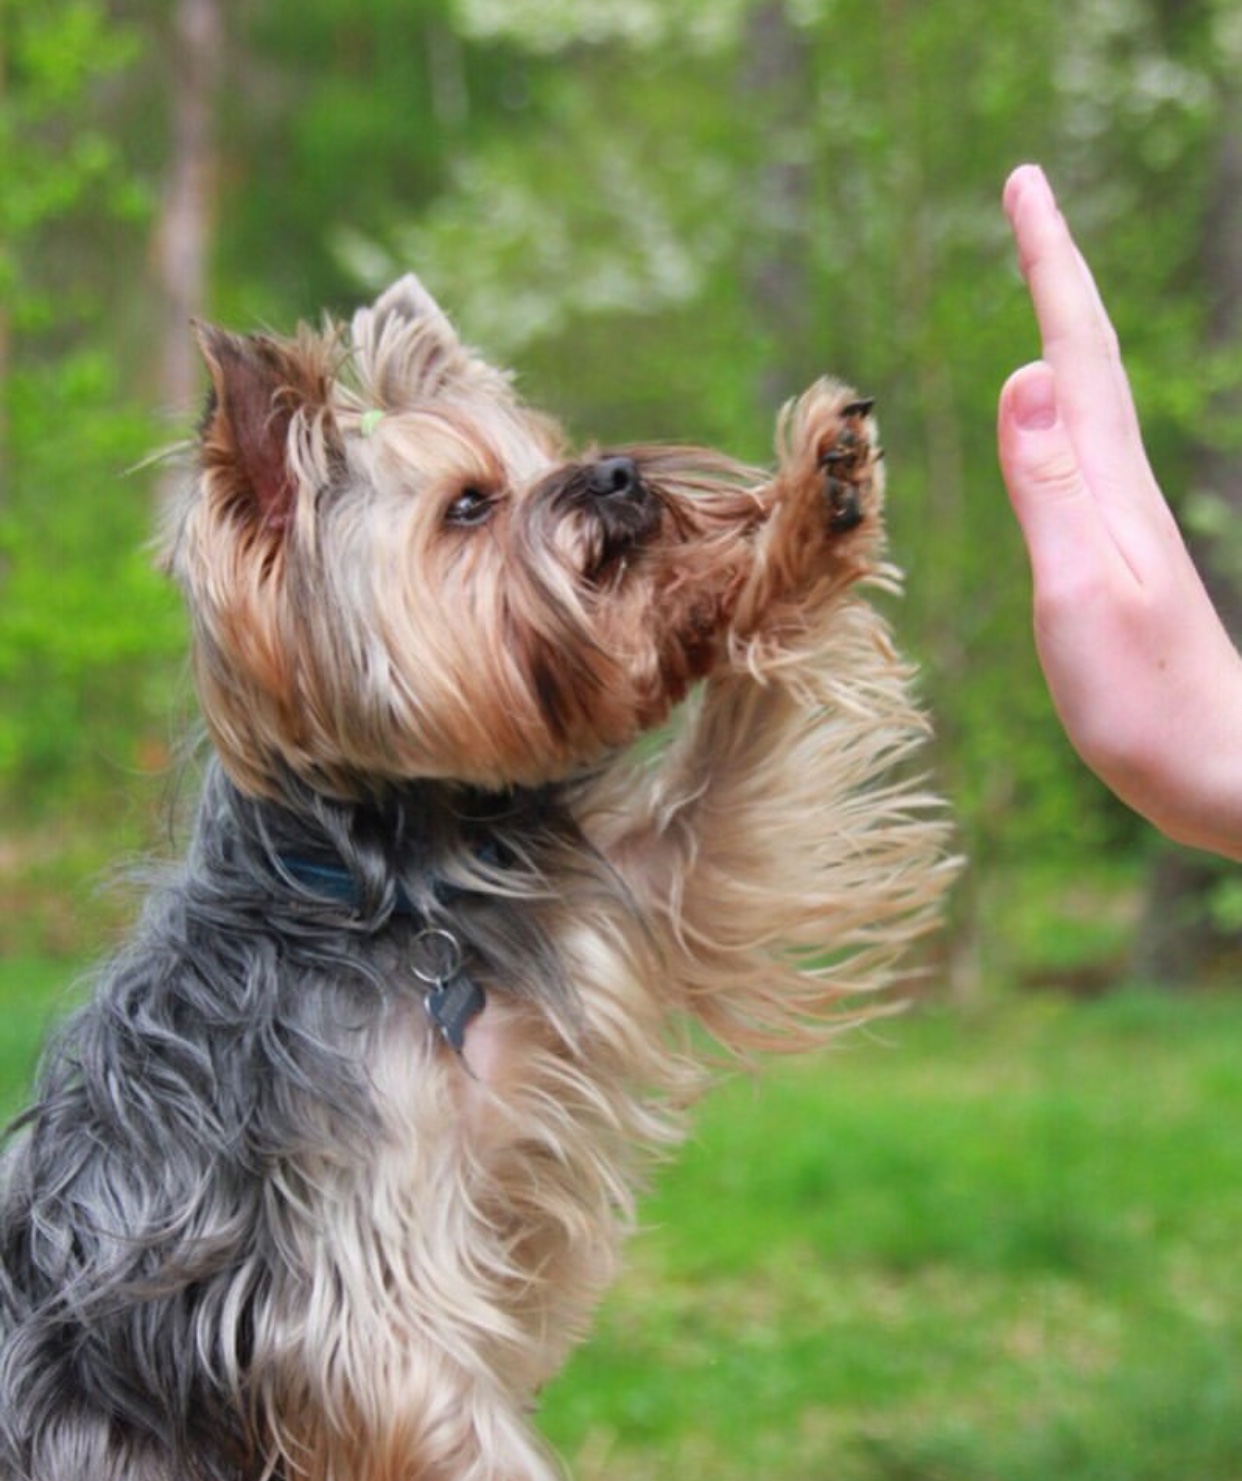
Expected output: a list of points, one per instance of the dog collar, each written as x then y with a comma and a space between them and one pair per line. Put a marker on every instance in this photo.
453, 998
334, 882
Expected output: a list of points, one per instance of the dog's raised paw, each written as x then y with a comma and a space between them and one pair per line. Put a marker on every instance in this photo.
845, 463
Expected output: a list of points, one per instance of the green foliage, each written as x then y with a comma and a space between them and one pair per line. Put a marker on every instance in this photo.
57, 157
669, 216
83, 627
340, 118
87, 629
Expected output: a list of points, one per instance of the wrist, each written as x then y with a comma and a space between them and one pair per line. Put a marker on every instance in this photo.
1196, 792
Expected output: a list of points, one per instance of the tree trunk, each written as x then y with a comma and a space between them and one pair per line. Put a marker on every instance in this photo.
1181, 941
183, 231
774, 86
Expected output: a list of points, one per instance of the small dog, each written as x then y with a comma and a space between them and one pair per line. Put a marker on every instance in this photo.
524, 765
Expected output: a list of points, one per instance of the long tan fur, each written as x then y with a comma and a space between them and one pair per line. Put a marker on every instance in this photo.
622, 729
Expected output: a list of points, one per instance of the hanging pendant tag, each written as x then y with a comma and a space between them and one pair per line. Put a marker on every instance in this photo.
455, 998
451, 1008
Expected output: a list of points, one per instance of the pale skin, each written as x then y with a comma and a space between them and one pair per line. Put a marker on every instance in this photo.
1143, 675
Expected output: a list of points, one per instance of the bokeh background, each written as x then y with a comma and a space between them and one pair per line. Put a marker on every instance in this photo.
998, 1240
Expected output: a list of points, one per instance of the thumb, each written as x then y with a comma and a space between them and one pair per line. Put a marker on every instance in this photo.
1058, 515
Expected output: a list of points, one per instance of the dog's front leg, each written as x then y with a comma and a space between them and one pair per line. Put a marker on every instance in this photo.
788, 862
823, 532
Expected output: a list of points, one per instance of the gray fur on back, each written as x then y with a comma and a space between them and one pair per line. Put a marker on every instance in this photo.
138, 1229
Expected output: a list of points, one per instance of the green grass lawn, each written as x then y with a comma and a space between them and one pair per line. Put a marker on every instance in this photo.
1004, 1246
999, 1248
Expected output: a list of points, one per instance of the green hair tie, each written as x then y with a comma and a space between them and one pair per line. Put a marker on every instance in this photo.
370, 420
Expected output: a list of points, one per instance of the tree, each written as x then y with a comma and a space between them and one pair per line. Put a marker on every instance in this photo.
54, 158
668, 215
183, 233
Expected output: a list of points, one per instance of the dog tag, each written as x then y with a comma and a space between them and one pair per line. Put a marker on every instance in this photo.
452, 1005
455, 997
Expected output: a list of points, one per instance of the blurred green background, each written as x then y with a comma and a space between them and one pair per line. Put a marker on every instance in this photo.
1002, 1242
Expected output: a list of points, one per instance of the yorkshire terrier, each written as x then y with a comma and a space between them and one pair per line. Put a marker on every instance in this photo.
527, 767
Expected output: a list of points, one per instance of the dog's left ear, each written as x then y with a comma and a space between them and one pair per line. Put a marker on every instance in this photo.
407, 301
406, 350
258, 386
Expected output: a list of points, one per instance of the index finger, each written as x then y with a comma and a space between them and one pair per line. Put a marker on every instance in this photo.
1079, 341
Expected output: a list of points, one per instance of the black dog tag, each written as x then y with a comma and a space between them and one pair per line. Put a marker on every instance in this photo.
451, 1005
455, 997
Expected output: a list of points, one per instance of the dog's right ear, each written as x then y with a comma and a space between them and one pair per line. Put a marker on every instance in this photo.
258, 386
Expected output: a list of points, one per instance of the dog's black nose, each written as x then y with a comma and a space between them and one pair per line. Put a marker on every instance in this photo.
615, 478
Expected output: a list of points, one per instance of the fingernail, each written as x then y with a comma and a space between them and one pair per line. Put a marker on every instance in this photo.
1023, 179
1034, 402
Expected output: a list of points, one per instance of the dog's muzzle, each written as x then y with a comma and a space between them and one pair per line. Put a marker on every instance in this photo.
618, 509
627, 510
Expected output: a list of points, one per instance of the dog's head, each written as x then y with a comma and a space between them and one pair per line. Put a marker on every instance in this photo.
394, 569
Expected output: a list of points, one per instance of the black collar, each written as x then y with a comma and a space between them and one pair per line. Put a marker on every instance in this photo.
335, 883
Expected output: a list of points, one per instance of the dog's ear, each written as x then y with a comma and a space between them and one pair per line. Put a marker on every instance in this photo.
406, 350
409, 301
258, 386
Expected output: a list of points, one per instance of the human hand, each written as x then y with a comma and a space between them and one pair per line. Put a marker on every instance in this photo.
1146, 681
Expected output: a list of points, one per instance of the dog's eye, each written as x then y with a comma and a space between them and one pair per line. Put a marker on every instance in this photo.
472, 506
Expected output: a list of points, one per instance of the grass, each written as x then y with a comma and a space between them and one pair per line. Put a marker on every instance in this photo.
1004, 1246
33, 990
